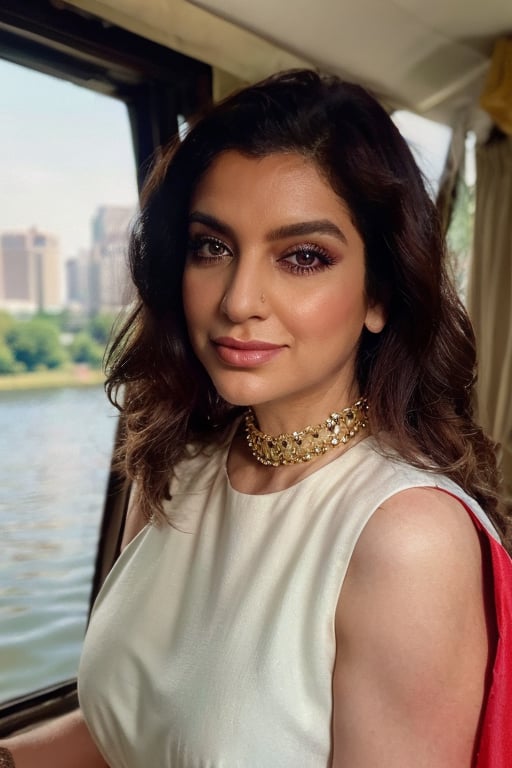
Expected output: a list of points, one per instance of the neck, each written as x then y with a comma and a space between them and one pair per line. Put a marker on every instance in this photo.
291, 415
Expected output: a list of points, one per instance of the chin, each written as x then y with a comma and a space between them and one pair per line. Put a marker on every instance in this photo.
240, 396
242, 401
233, 387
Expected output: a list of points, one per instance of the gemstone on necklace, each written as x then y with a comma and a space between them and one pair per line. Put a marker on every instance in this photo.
304, 445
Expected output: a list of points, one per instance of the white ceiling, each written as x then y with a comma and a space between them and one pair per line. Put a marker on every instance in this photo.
428, 55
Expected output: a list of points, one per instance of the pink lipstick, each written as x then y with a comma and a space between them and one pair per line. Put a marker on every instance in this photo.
245, 354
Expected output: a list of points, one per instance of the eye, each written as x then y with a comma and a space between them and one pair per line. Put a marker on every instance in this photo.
207, 249
307, 259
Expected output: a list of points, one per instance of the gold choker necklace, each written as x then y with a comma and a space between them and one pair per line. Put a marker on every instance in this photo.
310, 442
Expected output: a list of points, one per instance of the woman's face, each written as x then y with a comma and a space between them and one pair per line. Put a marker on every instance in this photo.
273, 287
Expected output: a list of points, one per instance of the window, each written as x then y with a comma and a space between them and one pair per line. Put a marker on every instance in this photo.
459, 237
68, 195
429, 142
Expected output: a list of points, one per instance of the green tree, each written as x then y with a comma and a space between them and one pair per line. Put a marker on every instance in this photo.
35, 343
100, 327
83, 349
6, 323
459, 237
7, 362
66, 320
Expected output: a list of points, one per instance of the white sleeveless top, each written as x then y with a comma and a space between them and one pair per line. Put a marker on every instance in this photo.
212, 642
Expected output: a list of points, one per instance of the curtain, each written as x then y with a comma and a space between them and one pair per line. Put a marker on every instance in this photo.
490, 296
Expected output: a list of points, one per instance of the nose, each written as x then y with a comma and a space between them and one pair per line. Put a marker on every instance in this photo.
247, 293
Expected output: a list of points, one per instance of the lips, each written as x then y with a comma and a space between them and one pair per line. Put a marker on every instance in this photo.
245, 354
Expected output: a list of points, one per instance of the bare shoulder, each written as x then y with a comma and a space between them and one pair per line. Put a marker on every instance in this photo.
420, 549
418, 527
412, 643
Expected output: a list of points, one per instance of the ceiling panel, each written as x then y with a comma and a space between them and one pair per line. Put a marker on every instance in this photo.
428, 55
419, 54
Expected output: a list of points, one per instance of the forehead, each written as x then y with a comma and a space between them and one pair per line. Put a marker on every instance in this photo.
279, 184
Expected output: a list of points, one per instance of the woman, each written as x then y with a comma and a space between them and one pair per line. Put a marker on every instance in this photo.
309, 574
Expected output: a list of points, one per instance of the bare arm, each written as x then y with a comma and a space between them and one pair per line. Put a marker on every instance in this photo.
412, 643
62, 743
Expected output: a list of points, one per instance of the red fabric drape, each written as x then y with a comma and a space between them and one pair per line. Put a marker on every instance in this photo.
495, 743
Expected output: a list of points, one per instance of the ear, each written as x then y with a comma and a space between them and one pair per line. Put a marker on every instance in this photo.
375, 319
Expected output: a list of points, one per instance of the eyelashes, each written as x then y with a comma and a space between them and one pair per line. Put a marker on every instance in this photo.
303, 259
308, 259
207, 248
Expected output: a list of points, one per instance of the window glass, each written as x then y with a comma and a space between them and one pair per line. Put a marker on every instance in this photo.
429, 142
459, 237
67, 197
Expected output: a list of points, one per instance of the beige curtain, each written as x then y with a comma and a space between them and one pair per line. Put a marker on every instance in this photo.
490, 295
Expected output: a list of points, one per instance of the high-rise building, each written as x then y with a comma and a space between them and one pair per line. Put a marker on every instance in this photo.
30, 277
109, 276
77, 271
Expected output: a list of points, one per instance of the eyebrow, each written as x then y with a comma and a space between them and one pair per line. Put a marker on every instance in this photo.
316, 227
212, 222
301, 228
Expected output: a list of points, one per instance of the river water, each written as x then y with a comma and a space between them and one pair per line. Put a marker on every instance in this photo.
55, 448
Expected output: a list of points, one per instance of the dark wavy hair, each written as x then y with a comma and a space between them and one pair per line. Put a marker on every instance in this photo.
418, 373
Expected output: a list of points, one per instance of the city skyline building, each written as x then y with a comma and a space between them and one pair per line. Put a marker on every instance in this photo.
30, 271
96, 279
109, 278
77, 279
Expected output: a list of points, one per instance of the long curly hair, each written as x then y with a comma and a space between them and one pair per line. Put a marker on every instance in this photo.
418, 373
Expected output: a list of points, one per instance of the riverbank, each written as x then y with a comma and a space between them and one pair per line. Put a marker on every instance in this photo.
76, 376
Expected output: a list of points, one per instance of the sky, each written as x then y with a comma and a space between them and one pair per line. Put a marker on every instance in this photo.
65, 150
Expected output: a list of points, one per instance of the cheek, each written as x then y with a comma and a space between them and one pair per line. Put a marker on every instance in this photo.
331, 313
